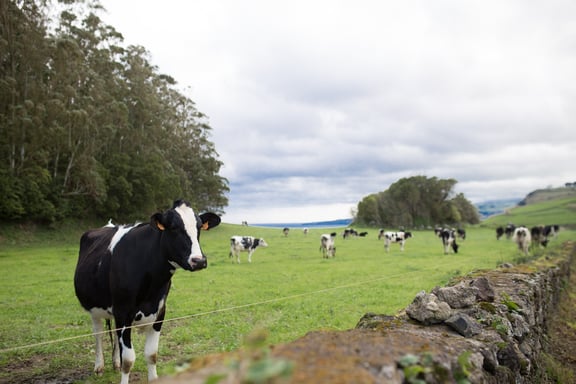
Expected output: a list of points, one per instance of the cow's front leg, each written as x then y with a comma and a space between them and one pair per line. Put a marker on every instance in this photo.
151, 347
151, 352
126, 351
250, 256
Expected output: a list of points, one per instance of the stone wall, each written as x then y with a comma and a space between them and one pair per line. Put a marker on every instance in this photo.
489, 327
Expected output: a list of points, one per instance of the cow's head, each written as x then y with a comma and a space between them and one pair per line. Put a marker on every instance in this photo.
181, 228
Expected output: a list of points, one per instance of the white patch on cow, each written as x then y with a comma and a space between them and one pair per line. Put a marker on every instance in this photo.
190, 225
122, 230
151, 352
101, 313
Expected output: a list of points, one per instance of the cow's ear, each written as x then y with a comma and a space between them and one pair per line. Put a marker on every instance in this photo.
156, 221
209, 220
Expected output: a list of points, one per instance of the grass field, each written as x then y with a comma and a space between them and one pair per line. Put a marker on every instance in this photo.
288, 290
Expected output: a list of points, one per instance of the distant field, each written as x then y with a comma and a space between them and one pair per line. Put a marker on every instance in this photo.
288, 290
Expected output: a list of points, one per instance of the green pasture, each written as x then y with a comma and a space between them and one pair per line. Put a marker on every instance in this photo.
287, 290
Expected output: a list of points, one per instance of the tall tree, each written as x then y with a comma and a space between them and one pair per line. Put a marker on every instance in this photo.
416, 202
88, 126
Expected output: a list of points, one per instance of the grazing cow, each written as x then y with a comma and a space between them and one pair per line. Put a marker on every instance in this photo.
349, 232
245, 244
396, 237
363, 234
285, 231
124, 273
461, 233
305, 231
522, 238
381, 234
538, 236
509, 230
327, 245
448, 237
499, 232
551, 231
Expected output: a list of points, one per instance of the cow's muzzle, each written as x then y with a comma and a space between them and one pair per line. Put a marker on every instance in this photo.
198, 263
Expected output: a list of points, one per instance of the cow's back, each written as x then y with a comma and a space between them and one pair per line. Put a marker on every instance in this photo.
91, 279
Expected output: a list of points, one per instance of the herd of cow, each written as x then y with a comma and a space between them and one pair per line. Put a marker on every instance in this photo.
124, 271
537, 236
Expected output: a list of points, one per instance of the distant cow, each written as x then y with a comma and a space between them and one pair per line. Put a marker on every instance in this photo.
245, 244
285, 231
522, 238
363, 234
542, 234
328, 245
509, 230
551, 231
305, 231
538, 236
448, 237
396, 237
499, 232
348, 232
124, 273
381, 234
461, 233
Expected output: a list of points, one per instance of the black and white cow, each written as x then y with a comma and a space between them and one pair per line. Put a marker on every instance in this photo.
461, 233
349, 232
396, 237
245, 244
509, 230
328, 245
538, 236
551, 231
448, 237
285, 231
522, 238
499, 232
124, 273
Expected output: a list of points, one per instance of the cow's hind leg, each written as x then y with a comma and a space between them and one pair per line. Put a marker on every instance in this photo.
116, 361
98, 329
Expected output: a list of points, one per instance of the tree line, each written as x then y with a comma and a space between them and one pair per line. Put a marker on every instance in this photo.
89, 127
416, 202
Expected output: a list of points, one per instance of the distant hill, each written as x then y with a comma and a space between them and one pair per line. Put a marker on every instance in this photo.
541, 195
495, 207
315, 224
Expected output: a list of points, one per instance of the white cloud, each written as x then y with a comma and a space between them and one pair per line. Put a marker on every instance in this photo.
318, 104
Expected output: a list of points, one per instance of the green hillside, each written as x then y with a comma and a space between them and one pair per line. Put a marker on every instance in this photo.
542, 209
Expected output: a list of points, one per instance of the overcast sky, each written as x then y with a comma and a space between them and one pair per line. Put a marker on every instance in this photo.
315, 104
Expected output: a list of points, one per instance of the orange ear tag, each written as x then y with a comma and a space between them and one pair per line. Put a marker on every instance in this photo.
160, 226
205, 226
